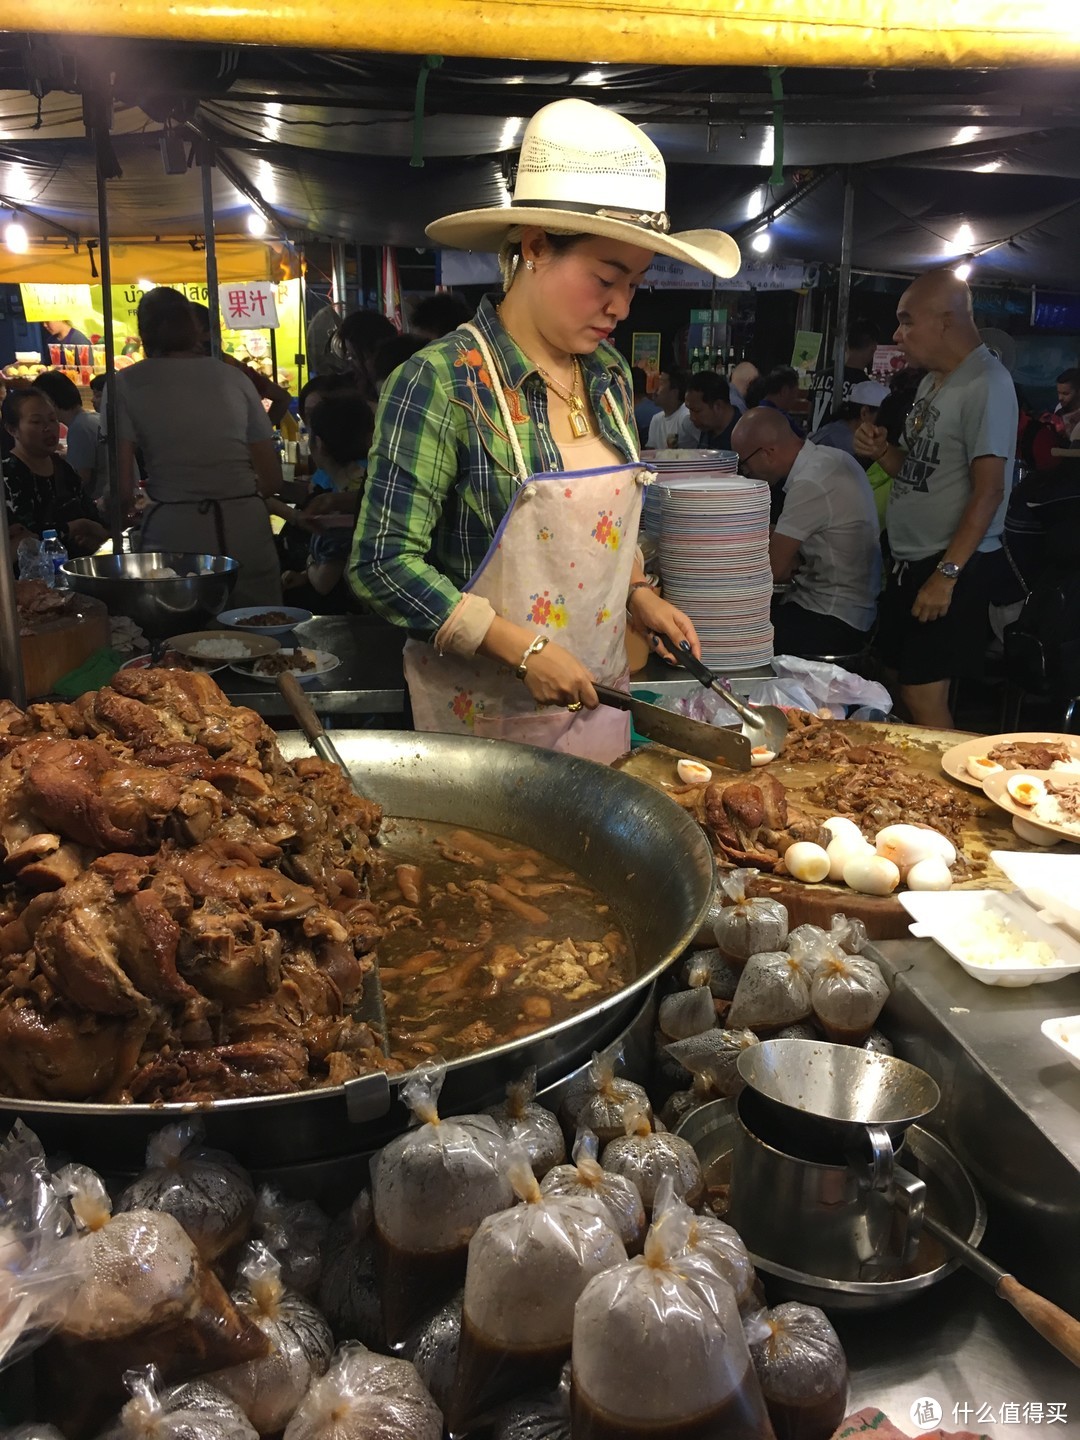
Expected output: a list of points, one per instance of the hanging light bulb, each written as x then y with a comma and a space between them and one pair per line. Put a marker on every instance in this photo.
256, 223
761, 241
963, 270
15, 237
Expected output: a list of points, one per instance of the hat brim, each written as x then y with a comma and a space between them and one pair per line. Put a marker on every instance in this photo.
710, 250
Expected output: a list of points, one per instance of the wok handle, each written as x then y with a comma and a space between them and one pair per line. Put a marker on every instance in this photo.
304, 714
1053, 1324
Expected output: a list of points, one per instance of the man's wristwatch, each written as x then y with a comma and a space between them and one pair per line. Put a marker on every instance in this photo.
949, 569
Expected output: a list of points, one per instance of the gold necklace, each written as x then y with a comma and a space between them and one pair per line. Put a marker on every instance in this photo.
578, 417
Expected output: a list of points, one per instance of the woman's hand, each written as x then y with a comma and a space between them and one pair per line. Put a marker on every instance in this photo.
555, 677
87, 535
654, 617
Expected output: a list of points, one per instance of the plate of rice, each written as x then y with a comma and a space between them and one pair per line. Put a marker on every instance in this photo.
301, 662
223, 647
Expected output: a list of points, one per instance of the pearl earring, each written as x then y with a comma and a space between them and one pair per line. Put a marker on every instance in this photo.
530, 265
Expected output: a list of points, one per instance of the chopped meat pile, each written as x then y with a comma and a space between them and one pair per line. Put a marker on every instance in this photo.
1029, 754
267, 617
750, 822
188, 914
36, 601
876, 789
813, 738
1067, 796
298, 662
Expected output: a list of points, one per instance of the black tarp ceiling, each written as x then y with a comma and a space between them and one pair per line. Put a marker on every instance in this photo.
945, 163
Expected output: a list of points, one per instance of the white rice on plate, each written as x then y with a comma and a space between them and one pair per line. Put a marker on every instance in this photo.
220, 649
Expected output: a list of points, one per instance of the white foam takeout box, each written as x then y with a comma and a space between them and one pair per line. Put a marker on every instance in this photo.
940, 915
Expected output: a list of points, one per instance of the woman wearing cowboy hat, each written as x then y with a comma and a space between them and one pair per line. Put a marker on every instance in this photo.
500, 519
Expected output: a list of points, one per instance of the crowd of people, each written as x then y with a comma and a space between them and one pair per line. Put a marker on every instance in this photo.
896, 530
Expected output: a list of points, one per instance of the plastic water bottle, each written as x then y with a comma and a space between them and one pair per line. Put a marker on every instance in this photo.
52, 550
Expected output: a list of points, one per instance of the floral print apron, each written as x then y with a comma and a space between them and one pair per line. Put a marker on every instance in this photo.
560, 563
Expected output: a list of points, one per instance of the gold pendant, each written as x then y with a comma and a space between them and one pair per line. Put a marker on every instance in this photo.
578, 423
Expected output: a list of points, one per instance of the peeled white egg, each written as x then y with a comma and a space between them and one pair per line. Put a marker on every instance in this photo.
844, 848
761, 755
1026, 789
1032, 834
981, 767
906, 845
871, 875
692, 772
838, 825
929, 874
806, 861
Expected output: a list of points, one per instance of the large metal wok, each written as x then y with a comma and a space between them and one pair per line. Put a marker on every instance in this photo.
645, 855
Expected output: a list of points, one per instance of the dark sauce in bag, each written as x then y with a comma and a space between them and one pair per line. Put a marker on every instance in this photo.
803, 1371
586, 1176
525, 1123
527, 1266
431, 1188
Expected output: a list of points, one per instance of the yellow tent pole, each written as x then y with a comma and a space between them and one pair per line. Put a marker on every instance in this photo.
866, 33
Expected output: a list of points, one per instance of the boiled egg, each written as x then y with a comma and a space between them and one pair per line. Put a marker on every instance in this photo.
844, 848
929, 874
1026, 789
806, 861
1033, 834
692, 772
981, 767
906, 845
838, 825
761, 755
871, 875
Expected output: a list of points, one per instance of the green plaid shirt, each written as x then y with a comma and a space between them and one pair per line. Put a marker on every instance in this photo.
441, 471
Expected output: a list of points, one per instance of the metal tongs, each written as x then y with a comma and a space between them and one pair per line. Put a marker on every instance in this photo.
763, 725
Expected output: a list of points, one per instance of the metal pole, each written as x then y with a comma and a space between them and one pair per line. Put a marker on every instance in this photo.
112, 435
340, 295
843, 301
206, 165
12, 684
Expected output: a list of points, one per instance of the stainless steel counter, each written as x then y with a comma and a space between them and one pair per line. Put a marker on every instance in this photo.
369, 680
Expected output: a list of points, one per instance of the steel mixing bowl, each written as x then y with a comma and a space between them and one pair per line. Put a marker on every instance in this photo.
160, 607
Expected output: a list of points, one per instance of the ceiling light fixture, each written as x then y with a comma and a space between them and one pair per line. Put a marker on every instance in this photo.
963, 270
256, 223
761, 242
15, 237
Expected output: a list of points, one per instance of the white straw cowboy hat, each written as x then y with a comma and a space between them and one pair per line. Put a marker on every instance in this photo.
586, 170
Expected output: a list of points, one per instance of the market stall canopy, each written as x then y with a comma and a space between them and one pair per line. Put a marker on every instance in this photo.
946, 163
773, 32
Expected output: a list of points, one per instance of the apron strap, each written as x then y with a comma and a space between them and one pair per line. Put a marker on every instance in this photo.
501, 401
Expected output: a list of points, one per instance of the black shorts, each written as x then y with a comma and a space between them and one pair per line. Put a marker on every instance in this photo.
952, 648
805, 633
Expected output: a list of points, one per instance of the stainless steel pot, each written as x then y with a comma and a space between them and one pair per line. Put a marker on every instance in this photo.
129, 585
645, 855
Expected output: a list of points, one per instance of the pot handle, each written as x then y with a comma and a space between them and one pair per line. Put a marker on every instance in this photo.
881, 1171
909, 1198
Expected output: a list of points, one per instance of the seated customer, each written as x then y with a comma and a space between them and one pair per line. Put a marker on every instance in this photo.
860, 408
43, 492
778, 390
825, 541
708, 401
671, 427
85, 450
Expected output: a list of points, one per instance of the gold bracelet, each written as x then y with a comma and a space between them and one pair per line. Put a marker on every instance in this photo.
534, 649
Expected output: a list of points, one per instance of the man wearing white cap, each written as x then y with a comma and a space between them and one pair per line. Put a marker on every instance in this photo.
860, 408
500, 518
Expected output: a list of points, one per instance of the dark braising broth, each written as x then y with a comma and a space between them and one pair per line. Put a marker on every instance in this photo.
488, 941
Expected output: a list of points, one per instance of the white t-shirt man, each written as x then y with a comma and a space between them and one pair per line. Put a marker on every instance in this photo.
829, 509
662, 427
973, 412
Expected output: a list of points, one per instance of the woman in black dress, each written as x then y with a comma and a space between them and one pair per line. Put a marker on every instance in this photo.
43, 491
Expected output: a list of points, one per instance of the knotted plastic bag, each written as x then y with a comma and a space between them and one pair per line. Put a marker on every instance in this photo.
690, 1011
433, 1348
774, 991
714, 1059
147, 1298
723, 976
802, 1369
40, 1259
195, 1411
747, 926
364, 1396
587, 1177
848, 991
646, 1156
301, 1343
658, 1347
206, 1190
526, 1123
348, 1291
538, 1417
295, 1232
527, 1267
431, 1188
718, 1244
600, 1100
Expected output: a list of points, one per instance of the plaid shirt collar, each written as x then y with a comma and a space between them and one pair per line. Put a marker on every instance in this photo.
516, 368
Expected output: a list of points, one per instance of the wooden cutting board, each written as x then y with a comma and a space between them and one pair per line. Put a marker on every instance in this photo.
884, 917
50, 648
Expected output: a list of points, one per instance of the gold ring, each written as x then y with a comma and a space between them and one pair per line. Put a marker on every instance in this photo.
575, 707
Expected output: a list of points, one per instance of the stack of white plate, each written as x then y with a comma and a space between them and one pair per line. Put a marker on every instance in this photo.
678, 466
714, 560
